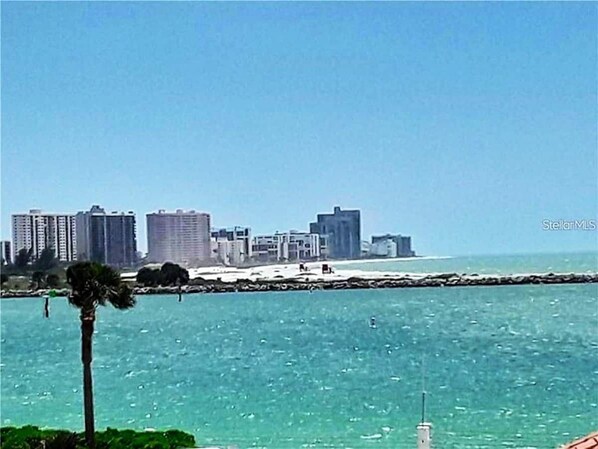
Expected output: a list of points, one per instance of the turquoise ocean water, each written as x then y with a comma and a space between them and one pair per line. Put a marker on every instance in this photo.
508, 367
505, 264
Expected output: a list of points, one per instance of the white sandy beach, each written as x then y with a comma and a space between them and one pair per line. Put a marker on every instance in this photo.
341, 271
291, 271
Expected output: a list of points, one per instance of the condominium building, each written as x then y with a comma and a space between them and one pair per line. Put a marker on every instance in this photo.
293, 246
180, 237
108, 238
340, 233
6, 252
401, 242
404, 247
227, 252
37, 231
383, 248
232, 246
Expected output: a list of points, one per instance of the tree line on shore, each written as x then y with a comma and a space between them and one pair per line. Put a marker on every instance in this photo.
48, 272
169, 274
44, 272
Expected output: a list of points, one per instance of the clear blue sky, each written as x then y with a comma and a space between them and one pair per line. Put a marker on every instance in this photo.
462, 124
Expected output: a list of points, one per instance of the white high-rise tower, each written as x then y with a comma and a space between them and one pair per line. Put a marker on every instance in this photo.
37, 231
180, 237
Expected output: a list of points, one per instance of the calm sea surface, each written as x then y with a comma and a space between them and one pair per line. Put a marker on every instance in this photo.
506, 367
506, 264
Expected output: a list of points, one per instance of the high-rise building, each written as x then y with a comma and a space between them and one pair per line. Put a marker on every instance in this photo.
180, 237
402, 243
293, 246
340, 233
383, 248
6, 252
37, 231
232, 246
404, 247
108, 238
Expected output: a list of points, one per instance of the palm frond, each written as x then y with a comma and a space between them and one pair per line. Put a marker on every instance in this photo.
123, 297
94, 284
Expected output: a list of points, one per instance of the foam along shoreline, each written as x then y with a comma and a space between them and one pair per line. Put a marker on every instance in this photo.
203, 285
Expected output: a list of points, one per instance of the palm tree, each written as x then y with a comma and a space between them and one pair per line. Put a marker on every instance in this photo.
92, 285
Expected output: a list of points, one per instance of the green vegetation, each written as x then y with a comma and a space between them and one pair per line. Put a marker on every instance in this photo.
24, 261
56, 278
173, 274
22, 258
92, 285
46, 261
170, 274
37, 279
15, 282
149, 277
30, 437
53, 280
27, 273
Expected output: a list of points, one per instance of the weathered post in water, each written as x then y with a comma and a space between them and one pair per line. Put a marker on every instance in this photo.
424, 429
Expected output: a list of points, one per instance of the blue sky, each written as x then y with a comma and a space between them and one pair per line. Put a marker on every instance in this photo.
462, 124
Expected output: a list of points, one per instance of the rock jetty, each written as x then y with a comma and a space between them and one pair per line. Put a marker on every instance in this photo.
435, 280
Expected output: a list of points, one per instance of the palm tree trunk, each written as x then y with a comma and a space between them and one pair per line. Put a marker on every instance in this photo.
87, 320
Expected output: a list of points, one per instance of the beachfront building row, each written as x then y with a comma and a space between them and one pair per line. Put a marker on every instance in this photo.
95, 235
186, 238
292, 246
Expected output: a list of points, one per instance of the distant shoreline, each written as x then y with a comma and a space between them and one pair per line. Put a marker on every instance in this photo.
352, 283
385, 259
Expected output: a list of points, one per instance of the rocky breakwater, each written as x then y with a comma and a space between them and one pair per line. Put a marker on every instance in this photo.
435, 280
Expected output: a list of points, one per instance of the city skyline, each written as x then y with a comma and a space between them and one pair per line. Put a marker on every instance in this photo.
465, 126
178, 234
